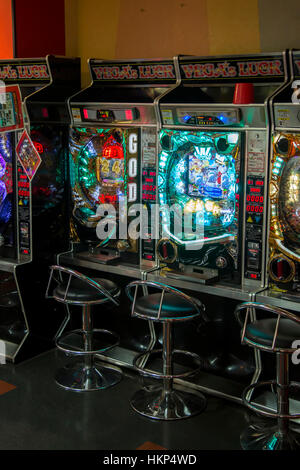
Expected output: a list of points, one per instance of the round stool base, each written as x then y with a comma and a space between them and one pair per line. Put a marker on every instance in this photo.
158, 404
80, 378
258, 437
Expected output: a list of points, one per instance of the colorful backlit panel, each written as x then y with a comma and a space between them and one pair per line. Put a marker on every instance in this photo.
285, 208
104, 170
199, 171
6, 186
97, 169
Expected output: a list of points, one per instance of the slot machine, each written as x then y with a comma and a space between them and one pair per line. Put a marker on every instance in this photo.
212, 169
113, 156
213, 166
282, 276
34, 128
282, 288
113, 149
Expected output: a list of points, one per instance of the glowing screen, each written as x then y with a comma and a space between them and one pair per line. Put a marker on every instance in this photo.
199, 171
103, 164
209, 176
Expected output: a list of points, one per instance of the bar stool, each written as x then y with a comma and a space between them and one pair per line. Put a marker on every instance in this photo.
167, 307
275, 335
74, 288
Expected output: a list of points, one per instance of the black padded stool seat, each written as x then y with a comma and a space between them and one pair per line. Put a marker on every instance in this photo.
81, 291
84, 373
274, 335
262, 332
173, 307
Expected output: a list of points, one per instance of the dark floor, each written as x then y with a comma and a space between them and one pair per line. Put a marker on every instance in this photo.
38, 414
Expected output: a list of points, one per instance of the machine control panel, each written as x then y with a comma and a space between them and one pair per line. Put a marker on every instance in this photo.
255, 205
254, 226
149, 193
201, 117
149, 198
104, 115
24, 191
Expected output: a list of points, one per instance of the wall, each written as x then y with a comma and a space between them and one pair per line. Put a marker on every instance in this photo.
169, 27
147, 28
279, 24
6, 29
159, 28
91, 30
39, 27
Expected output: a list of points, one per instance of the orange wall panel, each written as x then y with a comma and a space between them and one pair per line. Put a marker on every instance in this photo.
156, 28
233, 26
6, 30
91, 30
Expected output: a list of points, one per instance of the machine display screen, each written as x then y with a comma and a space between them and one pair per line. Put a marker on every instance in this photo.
99, 170
110, 171
199, 171
209, 176
104, 170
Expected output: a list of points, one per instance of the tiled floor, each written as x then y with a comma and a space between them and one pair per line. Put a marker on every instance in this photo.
37, 414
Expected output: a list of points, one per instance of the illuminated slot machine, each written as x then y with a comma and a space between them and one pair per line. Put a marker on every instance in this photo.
283, 266
212, 170
34, 128
212, 184
113, 148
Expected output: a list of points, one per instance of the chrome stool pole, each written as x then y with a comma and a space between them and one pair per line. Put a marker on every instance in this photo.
167, 357
282, 373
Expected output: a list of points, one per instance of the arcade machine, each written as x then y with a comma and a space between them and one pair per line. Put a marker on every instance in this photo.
212, 186
34, 127
113, 149
282, 276
283, 248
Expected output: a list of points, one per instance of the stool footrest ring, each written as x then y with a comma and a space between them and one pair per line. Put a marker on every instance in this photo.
79, 335
157, 375
257, 409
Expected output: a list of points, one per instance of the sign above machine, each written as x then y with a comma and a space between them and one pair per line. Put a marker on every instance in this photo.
22, 71
147, 72
256, 68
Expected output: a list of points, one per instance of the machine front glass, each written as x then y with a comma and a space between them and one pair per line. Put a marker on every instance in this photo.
284, 240
199, 177
104, 171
